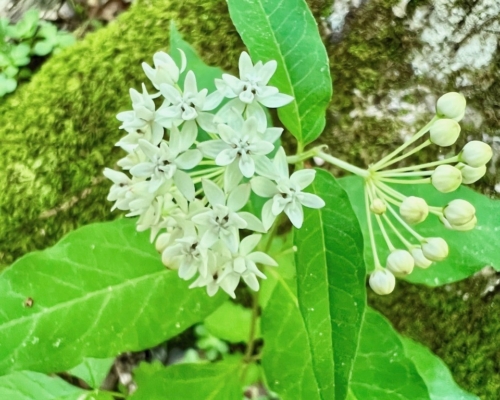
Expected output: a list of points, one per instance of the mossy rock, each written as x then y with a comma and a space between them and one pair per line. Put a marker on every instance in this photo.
58, 131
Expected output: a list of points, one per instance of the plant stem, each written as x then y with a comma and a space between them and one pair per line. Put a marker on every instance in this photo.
403, 156
376, 261
248, 357
343, 164
421, 166
415, 137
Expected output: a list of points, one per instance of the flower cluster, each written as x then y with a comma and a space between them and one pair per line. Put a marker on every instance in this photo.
391, 209
192, 194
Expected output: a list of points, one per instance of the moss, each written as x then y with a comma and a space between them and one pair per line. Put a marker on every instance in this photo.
459, 322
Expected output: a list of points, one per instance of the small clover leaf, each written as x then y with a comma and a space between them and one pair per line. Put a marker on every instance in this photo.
43, 48
7, 85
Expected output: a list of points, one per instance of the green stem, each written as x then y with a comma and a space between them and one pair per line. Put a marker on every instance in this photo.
299, 157
398, 234
406, 181
415, 137
404, 174
376, 260
403, 156
422, 166
343, 164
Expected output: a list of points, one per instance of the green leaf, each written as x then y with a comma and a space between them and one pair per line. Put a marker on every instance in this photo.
205, 74
100, 291
93, 370
434, 372
469, 251
43, 47
231, 322
7, 85
26, 27
382, 370
27, 385
331, 284
286, 31
65, 39
188, 381
286, 357
20, 54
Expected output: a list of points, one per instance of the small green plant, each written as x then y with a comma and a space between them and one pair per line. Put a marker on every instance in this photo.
19, 42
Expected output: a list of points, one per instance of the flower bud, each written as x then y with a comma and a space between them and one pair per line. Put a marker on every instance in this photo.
382, 281
459, 212
476, 153
400, 262
446, 178
451, 105
435, 249
162, 242
420, 260
414, 210
470, 174
444, 132
378, 206
461, 228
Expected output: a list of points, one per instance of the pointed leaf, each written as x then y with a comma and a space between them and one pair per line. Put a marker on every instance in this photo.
93, 370
100, 291
286, 31
331, 284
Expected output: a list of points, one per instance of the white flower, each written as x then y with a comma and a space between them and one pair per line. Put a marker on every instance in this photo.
378, 206
167, 161
420, 260
189, 105
435, 249
476, 153
223, 221
121, 184
400, 262
459, 212
165, 71
470, 174
243, 265
251, 90
444, 132
286, 193
446, 178
242, 148
414, 210
451, 105
382, 281
143, 122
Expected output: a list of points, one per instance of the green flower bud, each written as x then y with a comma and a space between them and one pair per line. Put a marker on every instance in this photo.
461, 228
378, 206
476, 153
420, 260
446, 178
444, 132
459, 212
451, 105
162, 242
471, 174
382, 281
400, 262
414, 210
435, 249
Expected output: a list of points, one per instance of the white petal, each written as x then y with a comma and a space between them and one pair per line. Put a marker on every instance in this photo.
170, 93
278, 204
209, 238
231, 240
232, 176
262, 258
249, 243
187, 136
229, 284
206, 122
239, 265
251, 281
227, 133
238, 197
268, 217
253, 223
245, 65
295, 213
213, 100
190, 83
175, 140
189, 114
149, 149
311, 200
247, 165
265, 167
280, 164
116, 176
249, 127
303, 178
213, 192
263, 187
212, 148
187, 269
234, 83
266, 91
226, 157
189, 159
267, 71
184, 184
256, 110
143, 170
261, 148
234, 105
183, 60
246, 96
272, 134
276, 100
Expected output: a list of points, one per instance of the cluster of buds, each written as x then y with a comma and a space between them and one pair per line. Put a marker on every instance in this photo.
191, 194
393, 211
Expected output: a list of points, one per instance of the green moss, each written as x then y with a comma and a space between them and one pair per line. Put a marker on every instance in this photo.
459, 322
